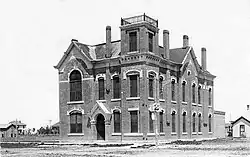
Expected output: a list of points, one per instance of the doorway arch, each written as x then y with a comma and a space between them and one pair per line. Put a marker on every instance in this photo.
100, 127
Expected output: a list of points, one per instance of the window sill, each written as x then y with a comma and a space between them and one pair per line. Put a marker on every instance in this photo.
173, 133
162, 100
118, 99
76, 134
210, 106
210, 132
199, 133
184, 133
133, 134
75, 102
132, 52
101, 100
116, 134
194, 133
184, 103
200, 105
150, 98
173, 102
133, 109
133, 98
151, 134
194, 104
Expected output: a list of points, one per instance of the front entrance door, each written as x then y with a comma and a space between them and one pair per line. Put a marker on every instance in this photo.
100, 127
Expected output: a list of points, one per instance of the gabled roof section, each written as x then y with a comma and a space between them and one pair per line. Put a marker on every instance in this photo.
5, 126
176, 55
241, 118
19, 123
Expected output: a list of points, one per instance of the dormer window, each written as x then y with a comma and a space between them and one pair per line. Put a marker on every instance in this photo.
132, 41
150, 42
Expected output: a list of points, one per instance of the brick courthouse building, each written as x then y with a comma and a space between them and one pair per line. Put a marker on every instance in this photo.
106, 91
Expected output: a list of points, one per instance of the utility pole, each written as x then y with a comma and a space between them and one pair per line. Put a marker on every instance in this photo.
16, 130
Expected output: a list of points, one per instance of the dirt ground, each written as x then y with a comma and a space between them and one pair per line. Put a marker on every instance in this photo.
212, 148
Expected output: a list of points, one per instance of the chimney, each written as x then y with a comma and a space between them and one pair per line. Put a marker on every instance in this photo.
248, 107
203, 58
108, 42
185, 41
166, 44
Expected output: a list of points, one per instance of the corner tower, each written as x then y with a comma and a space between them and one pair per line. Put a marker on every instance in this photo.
139, 34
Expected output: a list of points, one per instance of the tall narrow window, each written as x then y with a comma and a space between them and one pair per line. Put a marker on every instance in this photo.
161, 88
193, 121
193, 93
101, 88
151, 125
133, 85
173, 90
184, 91
150, 86
117, 121
132, 41
199, 95
76, 122
173, 122
210, 123
116, 87
150, 42
75, 86
209, 97
161, 121
134, 121
184, 129
199, 123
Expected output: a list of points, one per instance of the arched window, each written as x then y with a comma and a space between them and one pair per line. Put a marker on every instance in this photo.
151, 86
173, 90
209, 97
184, 129
173, 121
132, 41
134, 121
161, 87
101, 88
75, 81
199, 95
161, 121
117, 121
150, 42
133, 85
210, 123
151, 125
116, 87
193, 121
193, 93
199, 123
75, 122
183, 91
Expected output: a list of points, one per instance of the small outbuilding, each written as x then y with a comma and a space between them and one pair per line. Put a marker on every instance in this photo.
241, 127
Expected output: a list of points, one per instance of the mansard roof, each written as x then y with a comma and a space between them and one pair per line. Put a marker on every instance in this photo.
176, 55
96, 52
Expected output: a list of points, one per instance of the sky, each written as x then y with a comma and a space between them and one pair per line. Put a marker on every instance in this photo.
34, 34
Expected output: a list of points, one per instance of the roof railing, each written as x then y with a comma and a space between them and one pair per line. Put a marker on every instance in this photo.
137, 19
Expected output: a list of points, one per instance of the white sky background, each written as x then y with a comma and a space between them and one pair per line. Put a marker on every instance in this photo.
34, 34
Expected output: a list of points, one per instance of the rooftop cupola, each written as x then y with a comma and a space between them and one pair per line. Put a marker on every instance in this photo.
139, 34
